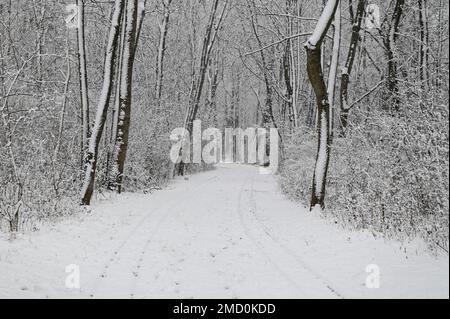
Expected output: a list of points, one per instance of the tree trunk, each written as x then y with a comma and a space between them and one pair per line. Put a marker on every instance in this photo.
347, 69
315, 74
423, 54
389, 43
161, 50
115, 112
334, 65
102, 108
82, 74
213, 79
123, 124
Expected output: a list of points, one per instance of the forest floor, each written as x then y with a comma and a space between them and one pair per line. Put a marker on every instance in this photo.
226, 233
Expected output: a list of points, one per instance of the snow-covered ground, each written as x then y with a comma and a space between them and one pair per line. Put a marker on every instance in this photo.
227, 233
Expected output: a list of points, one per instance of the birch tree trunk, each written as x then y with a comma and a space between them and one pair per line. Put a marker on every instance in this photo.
315, 74
102, 108
123, 124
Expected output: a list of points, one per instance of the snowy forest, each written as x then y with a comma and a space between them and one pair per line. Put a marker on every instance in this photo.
91, 91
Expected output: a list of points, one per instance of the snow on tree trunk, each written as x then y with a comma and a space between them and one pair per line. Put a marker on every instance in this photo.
347, 69
334, 65
315, 74
123, 124
102, 108
82, 74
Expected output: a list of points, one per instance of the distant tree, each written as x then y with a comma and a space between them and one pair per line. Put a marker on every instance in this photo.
210, 37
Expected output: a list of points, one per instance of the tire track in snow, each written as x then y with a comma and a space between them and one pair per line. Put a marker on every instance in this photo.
284, 260
115, 256
258, 245
140, 256
289, 251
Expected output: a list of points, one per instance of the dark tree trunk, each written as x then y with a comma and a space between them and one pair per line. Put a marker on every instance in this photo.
161, 50
82, 75
345, 77
389, 43
423, 54
123, 124
315, 74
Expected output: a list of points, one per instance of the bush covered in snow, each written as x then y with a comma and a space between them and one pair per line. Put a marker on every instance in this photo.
389, 174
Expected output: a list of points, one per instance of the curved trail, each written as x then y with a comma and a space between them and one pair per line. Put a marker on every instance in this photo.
208, 235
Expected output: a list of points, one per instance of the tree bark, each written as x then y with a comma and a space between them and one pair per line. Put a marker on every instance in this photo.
347, 69
102, 108
123, 124
315, 74
82, 74
213, 79
334, 65
161, 50
389, 43
423, 60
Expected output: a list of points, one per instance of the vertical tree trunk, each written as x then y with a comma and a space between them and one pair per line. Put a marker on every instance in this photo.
82, 74
334, 65
116, 108
164, 27
347, 69
123, 124
389, 43
315, 74
55, 176
213, 79
287, 65
289, 69
423, 54
102, 108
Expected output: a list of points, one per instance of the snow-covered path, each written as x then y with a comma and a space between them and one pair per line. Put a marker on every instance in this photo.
227, 233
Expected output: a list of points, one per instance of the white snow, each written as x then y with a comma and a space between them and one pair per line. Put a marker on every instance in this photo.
322, 23
227, 233
322, 156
